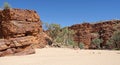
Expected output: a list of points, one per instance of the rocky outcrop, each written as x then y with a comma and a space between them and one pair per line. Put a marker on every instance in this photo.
18, 23
106, 30
82, 33
21, 32
14, 46
86, 32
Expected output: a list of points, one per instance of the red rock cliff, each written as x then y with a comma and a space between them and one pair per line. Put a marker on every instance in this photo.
83, 32
21, 32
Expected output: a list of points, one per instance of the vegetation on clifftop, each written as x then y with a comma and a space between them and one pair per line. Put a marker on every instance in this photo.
7, 5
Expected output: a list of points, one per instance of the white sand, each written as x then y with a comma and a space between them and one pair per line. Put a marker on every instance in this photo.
64, 56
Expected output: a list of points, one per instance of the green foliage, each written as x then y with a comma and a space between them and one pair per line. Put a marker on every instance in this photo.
6, 6
67, 36
54, 30
97, 42
116, 37
81, 45
63, 36
114, 41
109, 42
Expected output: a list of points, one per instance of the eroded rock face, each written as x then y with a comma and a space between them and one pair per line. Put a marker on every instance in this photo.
21, 31
17, 22
103, 30
82, 33
20, 15
15, 46
106, 30
42, 39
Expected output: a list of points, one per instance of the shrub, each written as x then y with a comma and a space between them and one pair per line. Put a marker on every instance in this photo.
114, 41
60, 36
81, 45
6, 6
97, 42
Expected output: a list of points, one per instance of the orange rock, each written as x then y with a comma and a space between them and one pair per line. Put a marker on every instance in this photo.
104, 31
22, 32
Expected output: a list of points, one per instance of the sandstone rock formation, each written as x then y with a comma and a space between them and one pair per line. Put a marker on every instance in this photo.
82, 33
106, 30
86, 32
27, 22
21, 32
16, 45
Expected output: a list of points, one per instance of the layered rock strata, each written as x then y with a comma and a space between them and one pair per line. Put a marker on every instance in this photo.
20, 32
86, 32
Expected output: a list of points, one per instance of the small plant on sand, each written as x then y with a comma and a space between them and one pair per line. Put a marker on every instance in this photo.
81, 45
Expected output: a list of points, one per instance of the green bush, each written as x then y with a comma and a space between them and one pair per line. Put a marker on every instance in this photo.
97, 42
81, 45
114, 41
6, 6
60, 36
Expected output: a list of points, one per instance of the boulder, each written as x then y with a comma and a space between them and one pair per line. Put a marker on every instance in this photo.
16, 45
42, 39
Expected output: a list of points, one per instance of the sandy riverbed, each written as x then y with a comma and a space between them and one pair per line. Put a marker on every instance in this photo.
65, 56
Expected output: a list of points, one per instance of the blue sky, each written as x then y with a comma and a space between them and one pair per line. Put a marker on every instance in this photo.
69, 12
